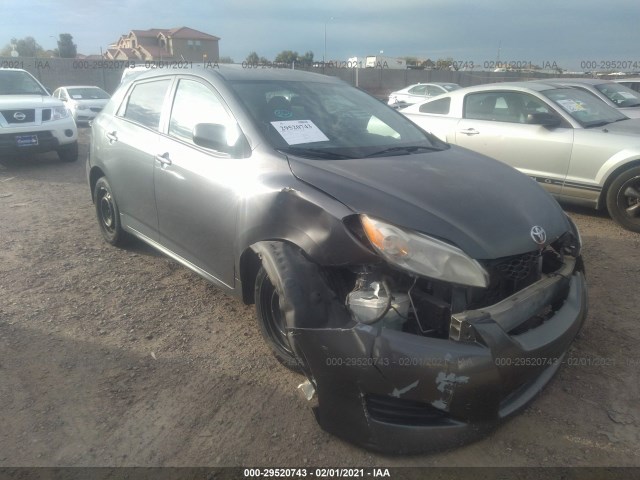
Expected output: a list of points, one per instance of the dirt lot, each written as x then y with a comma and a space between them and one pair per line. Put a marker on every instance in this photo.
113, 357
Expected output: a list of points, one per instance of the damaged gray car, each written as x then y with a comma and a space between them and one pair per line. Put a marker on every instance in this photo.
426, 292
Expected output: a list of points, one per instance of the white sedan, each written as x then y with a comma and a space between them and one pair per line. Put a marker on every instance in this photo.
84, 102
420, 92
577, 147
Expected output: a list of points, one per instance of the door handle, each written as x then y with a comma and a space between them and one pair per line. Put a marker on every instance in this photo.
470, 131
163, 159
112, 137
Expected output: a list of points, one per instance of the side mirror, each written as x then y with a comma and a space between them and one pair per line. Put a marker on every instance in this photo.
544, 119
213, 135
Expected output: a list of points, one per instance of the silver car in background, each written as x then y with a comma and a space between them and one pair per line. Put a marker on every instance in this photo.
83, 101
612, 93
577, 147
630, 82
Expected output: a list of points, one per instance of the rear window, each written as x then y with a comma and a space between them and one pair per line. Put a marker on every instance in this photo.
439, 107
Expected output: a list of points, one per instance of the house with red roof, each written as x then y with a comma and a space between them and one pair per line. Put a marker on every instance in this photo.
156, 44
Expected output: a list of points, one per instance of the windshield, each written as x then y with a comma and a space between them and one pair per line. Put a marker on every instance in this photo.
19, 83
86, 93
585, 108
331, 121
450, 87
619, 94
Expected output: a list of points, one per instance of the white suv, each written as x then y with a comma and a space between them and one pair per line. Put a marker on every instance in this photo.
31, 120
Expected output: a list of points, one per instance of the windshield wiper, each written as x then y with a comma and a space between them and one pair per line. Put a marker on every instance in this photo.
316, 152
409, 150
600, 124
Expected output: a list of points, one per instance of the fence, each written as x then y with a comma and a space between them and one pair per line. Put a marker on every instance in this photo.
106, 74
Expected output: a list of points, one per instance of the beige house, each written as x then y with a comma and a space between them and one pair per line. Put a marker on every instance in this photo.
157, 44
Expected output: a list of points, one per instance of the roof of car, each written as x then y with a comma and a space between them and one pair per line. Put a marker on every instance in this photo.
583, 81
80, 86
238, 72
537, 86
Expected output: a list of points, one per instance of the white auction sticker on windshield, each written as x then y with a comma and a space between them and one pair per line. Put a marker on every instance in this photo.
627, 95
571, 105
299, 131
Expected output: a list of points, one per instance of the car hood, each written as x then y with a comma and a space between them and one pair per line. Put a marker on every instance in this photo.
484, 207
91, 101
631, 126
21, 102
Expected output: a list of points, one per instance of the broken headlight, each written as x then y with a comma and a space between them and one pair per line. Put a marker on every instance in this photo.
423, 255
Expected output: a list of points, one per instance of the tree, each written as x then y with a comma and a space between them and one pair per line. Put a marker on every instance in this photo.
226, 59
444, 63
26, 47
66, 47
286, 56
307, 58
253, 58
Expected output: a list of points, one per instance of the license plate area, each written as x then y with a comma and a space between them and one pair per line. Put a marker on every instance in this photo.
26, 140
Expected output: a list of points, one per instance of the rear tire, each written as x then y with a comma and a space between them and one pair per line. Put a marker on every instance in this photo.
68, 153
623, 199
108, 214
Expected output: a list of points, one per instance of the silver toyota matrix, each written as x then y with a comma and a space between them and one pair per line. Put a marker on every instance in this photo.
426, 292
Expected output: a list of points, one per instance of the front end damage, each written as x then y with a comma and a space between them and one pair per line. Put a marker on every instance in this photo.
405, 364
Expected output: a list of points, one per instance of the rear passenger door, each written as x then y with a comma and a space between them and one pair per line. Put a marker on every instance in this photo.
494, 124
128, 153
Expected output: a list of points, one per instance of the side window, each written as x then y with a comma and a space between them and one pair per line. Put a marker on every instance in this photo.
144, 105
440, 107
432, 90
195, 103
418, 90
510, 107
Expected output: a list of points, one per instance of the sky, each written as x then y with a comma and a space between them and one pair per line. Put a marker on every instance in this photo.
568, 32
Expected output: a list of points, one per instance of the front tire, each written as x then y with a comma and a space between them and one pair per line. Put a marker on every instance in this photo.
108, 214
68, 153
623, 199
272, 321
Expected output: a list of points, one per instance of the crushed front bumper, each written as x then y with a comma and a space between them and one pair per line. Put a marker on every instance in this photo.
397, 392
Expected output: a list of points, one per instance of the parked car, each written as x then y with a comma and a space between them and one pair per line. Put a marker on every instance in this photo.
31, 121
577, 147
424, 299
632, 82
84, 102
613, 94
419, 92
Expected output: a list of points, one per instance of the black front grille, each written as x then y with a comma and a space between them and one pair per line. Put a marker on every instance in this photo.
46, 114
404, 412
19, 116
507, 276
519, 267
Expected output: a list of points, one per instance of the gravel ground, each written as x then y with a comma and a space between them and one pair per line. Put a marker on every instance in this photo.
112, 357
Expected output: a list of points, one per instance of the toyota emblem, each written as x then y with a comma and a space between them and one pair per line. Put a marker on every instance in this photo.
19, 116
538, 235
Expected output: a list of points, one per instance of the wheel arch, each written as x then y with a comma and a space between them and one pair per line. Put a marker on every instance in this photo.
94, 175
602, 198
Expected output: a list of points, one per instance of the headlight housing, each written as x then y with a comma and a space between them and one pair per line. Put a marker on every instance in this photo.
423, 255
58, 113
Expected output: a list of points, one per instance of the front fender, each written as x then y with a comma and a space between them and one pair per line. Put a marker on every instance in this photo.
305, 217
